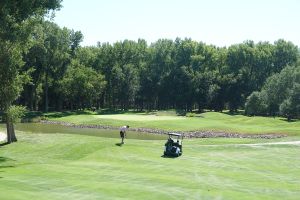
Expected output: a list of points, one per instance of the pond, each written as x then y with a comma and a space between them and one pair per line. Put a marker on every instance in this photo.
55, 128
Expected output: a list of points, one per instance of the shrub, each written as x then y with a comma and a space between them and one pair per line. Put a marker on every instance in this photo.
189, 114
290, 107
255, 104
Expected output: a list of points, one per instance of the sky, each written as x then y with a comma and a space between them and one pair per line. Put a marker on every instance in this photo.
217, 22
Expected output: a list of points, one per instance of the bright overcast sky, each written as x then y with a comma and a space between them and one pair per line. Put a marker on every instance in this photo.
218, 22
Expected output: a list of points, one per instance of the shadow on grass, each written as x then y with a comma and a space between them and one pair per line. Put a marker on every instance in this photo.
3, 160
119, 144
3, 144
87, 112
110, 112
177, 112
9, 166
116, 111
29, 116
33, 114
290, 121
171, 157
68, 113
232, 113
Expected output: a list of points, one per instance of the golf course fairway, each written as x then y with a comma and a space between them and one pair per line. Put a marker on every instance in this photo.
67, 166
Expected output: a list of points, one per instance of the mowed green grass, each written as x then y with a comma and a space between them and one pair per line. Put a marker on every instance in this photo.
206, 121
64, 166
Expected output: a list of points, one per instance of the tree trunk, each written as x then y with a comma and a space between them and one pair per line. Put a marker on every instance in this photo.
60, 103
31, 96
11, 136
46, 92
36, 103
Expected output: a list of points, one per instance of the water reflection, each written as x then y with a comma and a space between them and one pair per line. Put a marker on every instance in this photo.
55, 128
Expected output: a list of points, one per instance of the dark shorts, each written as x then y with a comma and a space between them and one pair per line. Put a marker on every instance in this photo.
122, 134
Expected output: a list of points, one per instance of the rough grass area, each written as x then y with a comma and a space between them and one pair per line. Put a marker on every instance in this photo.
59, 166
206, 121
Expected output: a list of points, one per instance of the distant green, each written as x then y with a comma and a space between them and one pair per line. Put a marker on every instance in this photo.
206, 121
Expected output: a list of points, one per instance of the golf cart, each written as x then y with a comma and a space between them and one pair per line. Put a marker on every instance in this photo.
173, 148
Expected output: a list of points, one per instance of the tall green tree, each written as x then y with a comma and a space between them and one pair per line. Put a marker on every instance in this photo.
81, 86
35, 61
57, 44
290, 107
285, 53
13, 39
161, 64
279, 95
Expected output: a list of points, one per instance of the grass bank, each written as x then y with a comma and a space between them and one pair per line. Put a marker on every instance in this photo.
207, 121
60, 166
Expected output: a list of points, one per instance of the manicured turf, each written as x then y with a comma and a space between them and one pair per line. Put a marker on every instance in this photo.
64, 166
206, 121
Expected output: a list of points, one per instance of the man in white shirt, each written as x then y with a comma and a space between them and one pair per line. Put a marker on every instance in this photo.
123, 130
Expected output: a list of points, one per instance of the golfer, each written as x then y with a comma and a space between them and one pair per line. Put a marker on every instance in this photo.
123, 130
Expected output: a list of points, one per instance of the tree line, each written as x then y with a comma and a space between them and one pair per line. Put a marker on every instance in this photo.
43, 67
167, 74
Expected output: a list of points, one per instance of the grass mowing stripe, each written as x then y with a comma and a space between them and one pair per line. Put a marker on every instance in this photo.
75, 166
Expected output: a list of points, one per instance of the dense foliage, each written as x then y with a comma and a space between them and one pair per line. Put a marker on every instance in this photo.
16, 21
279, 95
181, 74
167, 74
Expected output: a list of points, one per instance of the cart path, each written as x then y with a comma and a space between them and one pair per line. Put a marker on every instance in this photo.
257, 144
275, 143
3, 136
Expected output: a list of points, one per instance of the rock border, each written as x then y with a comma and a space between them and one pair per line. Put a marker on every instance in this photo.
187, 134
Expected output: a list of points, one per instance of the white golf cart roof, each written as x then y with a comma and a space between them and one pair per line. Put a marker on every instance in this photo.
175, 134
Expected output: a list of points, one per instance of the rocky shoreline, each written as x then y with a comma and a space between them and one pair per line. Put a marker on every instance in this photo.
187, 134
214, 134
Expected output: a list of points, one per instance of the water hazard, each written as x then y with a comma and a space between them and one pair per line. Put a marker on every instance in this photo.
55, 128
